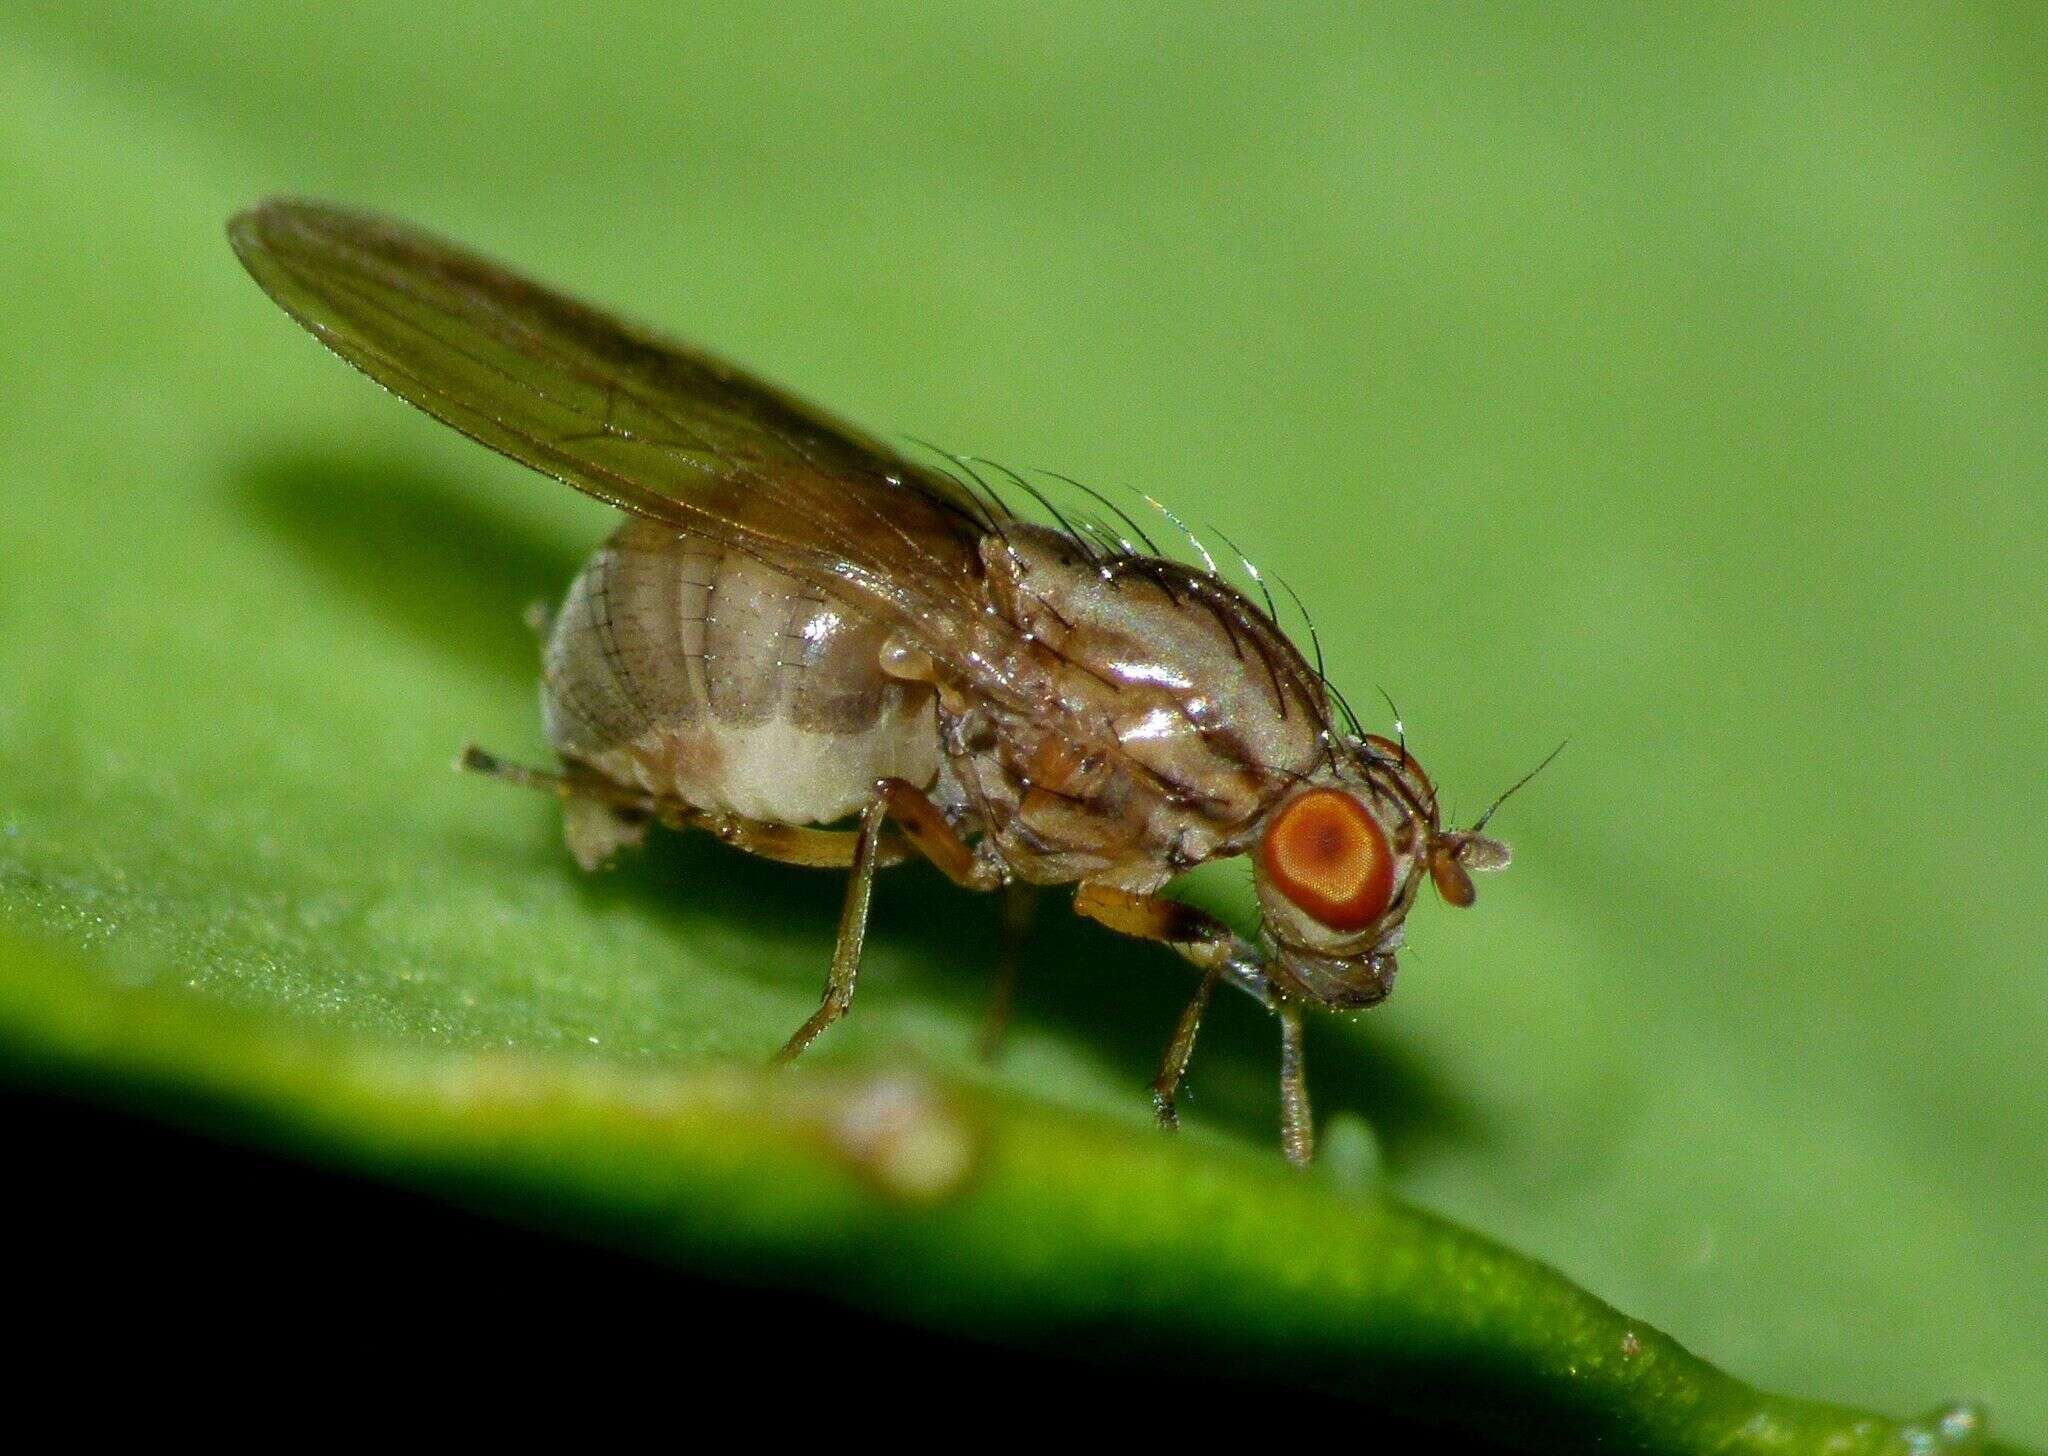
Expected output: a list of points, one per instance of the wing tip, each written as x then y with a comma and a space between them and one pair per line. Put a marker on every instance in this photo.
254, 230
263, 225
245, 229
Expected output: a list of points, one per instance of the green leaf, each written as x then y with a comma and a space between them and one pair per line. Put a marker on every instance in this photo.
1003, 1218
1666, 381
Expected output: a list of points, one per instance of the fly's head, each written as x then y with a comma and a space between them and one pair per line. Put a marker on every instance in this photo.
1340, 861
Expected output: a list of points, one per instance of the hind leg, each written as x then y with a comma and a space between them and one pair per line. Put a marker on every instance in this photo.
853, 929
793, 844
933, 836
864, 850
601, 814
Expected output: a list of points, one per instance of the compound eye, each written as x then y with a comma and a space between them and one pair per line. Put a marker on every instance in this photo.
1329, 856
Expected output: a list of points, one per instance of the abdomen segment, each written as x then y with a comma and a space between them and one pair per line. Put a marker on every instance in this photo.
698, 673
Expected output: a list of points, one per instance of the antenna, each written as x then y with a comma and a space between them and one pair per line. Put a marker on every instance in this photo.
1480, 823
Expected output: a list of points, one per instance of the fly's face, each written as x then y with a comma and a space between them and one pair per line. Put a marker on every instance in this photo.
1340, 862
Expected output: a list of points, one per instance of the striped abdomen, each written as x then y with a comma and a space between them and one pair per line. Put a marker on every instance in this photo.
694, 672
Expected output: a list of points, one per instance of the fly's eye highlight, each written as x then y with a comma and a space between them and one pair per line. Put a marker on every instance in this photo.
1330, 857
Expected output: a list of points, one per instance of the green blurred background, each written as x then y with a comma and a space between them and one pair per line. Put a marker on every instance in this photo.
1670, 378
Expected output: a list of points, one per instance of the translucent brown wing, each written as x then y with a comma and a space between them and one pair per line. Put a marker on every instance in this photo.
649, 425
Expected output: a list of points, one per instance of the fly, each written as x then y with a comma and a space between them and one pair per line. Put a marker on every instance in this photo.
796, 626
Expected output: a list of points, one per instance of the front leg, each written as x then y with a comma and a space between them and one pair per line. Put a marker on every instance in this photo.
1222, 954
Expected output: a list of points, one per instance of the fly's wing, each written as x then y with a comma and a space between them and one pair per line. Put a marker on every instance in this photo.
651, 426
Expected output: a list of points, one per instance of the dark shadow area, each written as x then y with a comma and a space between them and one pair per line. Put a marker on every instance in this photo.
416, 549
421, 551
146, 1254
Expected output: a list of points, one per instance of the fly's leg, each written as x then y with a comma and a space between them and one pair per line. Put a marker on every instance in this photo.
929, 832
853, 927
1199, 937
792, 844
599, 817
1174, 1067
477, 761
934, 837
1222, 954
1297, 1131
795, 844
1020, 908
864, 850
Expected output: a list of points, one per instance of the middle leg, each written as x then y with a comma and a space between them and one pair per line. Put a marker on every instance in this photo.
1020, 908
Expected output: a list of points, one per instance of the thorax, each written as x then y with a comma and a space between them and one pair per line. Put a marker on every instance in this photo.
1152, 716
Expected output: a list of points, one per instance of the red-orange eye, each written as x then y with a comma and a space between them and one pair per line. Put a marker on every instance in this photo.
1330, 857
